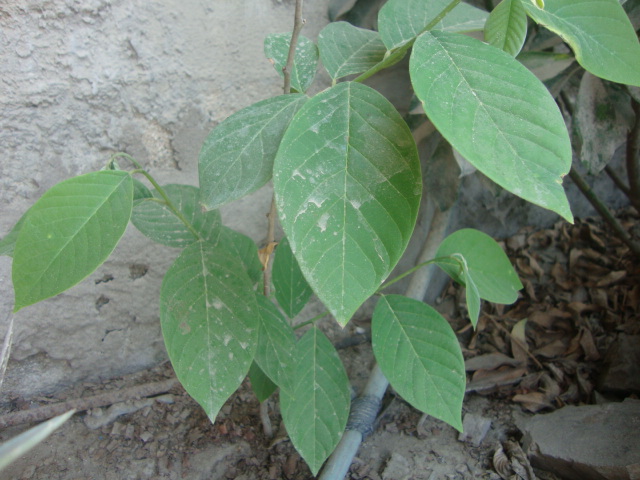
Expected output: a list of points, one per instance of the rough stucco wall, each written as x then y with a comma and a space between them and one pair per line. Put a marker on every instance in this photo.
82, 79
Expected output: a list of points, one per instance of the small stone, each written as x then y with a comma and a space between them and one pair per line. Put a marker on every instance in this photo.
622, 372
474, 429
590, 442
129, 432
146, 436
397, 468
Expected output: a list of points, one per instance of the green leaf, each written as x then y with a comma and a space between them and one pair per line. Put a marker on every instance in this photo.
472, 294
419, 354
261, 385
316, 413
602, 118
160, 224
347, 184
209, 319
69, 232
140, 192
488, 265
245, 250
237, 156
496, 113
400, 21
8, 243
600, 34
506, 27
276, 345
18, 446
346, 50
292, 290
305, 61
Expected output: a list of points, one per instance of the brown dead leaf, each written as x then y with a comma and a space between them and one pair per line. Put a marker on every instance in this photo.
560, 276
484, 380
611, 278
554, 349
534, 401
588, 345
519, 348
530, 289
489, 361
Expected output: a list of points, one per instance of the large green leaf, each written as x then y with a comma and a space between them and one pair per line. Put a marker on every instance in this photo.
305, 60
245, 250
261, 385
347, 184
237, 156
400, 21
419, 354
316, 413
601, 119
209, 317
69, 232
598, 31
488, 265
346, 50
292, 290
160, 224
275, 354
506, 27
496, 113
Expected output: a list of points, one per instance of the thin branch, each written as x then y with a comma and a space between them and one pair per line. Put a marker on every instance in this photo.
615, 178
633, 157
298, 23
79, 404
604, 211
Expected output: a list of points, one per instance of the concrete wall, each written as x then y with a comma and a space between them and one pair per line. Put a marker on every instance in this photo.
82, 79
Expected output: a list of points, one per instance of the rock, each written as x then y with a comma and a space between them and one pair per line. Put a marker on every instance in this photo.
474, 429
622, 373
591, 442
398, 468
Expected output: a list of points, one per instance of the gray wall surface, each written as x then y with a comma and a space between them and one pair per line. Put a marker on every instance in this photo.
83, 79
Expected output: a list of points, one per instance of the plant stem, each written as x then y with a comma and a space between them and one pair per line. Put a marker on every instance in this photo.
604, 211
617, 180
633, 157
394, 56
161, 191
340, 460
298, 23
313, 320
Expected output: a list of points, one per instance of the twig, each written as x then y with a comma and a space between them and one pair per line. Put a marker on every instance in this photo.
79, 404
6, 351
617, 180
633, 158
604, 211
340, 460
298, 23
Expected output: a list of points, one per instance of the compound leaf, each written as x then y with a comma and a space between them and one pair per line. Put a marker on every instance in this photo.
305, 62
209, 318
598, 31
496, 113
237, 156
316, 413
292, 290
156, 221
69, 232
506, 27
400, 21
487, 264
346, 50
347, 183
419, 354
275, 354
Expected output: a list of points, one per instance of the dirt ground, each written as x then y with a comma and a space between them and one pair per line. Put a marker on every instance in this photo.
582, 291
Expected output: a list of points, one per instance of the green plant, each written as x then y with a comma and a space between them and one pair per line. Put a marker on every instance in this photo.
348, 183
